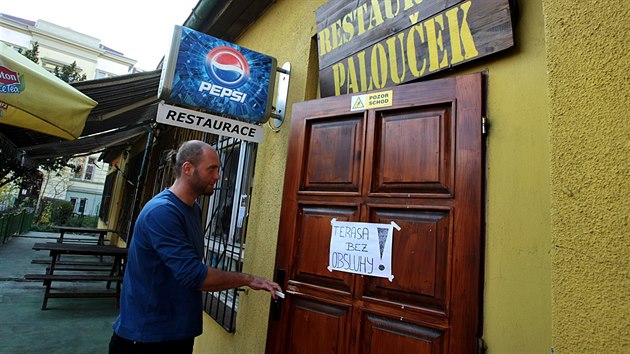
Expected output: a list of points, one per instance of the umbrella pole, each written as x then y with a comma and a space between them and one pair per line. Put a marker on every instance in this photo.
139, 184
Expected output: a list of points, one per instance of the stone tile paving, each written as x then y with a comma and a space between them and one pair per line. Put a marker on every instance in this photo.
68, 326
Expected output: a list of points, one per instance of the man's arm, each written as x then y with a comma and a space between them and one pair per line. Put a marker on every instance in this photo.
217, 280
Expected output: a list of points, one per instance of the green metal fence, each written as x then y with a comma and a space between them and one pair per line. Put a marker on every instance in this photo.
12, 224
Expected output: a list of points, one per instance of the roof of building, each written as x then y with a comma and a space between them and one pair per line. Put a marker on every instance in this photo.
25, 22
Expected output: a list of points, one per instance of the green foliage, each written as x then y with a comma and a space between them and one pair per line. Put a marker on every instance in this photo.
32, 54
13, 171
83, 221
7, 195
42, 228
70, 73
45, 224
60, 212
26, 203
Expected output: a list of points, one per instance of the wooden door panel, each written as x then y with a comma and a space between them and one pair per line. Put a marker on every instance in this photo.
317, 328
383, 335
333, 154
420, 253
413, 151
419, 163
313, 237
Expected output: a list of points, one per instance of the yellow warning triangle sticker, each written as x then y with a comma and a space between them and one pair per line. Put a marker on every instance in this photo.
358, 104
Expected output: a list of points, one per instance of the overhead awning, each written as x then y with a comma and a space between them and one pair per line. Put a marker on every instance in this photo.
34, 99
125, 104
88, 144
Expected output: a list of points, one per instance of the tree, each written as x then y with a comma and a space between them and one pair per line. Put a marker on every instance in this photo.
13, 170
8, 193
70, 73
61, 184
32, 54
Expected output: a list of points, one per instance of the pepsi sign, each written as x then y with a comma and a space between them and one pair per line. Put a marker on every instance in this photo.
205, 72
228, 66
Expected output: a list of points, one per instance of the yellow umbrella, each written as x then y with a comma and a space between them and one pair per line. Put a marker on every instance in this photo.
35, 99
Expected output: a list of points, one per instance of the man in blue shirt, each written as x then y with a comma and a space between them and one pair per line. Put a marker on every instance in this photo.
161, 299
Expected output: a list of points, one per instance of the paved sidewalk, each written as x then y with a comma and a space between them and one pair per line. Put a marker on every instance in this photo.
68, 326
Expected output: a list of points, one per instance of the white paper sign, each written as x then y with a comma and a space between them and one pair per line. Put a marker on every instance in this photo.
361, 248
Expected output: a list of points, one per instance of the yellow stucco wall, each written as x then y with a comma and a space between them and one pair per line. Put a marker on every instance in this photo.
589, 93
284, 32
115, 204
517, 302
557, 180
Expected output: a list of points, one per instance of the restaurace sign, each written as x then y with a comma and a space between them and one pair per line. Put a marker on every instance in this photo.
210, 123
371, 44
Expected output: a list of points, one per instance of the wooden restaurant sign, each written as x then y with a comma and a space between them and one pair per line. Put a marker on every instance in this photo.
367, 45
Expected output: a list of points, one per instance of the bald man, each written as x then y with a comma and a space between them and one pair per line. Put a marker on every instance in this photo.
161, 300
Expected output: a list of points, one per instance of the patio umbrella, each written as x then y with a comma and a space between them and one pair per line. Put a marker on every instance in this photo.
35, 99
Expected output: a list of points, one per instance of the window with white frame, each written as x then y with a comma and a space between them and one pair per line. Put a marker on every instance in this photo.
89, 169
102, 74
225, 232
79, 167
85, 168
73, 200
82, 204
52, 65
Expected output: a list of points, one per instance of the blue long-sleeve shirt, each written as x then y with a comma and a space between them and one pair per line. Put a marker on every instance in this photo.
160, 298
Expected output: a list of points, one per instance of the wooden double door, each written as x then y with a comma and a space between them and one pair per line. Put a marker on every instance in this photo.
417, 162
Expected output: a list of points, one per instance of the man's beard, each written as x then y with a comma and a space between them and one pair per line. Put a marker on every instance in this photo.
201, 188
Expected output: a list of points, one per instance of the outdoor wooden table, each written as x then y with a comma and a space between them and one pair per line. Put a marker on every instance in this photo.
80, 275
83, 231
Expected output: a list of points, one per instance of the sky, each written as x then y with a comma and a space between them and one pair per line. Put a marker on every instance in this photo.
140, 29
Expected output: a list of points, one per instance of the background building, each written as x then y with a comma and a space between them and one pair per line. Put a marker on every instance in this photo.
60, 46
81, 185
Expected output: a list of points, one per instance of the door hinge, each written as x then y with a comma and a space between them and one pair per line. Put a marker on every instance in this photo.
484, 125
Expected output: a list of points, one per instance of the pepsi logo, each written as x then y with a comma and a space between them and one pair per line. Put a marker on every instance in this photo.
227, 66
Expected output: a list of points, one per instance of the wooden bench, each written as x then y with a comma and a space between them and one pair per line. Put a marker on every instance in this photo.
76, 265
48, 278
98, 232
73, 277
83, 270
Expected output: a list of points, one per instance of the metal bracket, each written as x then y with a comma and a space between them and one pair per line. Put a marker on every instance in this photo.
280, 108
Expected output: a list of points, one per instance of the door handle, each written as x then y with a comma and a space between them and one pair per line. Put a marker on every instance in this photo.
280, 275
276, 305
